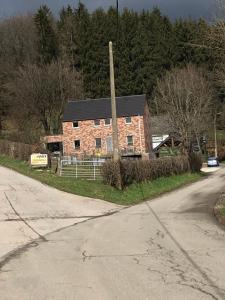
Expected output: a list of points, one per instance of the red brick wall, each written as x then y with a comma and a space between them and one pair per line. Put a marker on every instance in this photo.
87, 133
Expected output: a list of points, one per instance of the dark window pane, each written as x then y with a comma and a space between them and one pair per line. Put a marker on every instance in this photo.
77, 144
75, 124
98, 143
108, 121
130, 140
97, 122
128, 120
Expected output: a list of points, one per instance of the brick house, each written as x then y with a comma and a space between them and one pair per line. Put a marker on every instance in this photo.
87, 128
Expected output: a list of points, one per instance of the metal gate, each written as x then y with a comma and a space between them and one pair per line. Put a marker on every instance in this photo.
89, 170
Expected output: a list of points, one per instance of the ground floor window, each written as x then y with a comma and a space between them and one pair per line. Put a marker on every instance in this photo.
98, 143
130, 140
77, 144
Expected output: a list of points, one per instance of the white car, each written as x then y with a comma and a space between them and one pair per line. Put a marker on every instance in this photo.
213, 162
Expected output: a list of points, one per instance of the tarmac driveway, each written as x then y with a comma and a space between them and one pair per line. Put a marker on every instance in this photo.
170, 248
29, 210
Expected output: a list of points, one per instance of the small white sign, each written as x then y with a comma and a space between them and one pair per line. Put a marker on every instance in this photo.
39, 160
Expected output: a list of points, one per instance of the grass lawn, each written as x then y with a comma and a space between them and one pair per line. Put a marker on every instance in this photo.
134, 194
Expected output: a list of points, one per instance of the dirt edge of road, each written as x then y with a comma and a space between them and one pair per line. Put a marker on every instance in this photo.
217, 210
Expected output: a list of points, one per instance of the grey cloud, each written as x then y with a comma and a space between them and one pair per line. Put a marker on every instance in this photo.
173, 8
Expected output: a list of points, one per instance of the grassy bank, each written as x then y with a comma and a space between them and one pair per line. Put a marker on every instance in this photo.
134, 194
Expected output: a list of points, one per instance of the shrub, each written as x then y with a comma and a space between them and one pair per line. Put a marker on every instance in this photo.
124, 173
195, 161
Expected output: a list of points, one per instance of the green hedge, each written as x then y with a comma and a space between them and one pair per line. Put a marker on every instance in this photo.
124, 173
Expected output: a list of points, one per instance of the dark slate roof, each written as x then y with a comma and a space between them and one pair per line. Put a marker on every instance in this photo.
127, 106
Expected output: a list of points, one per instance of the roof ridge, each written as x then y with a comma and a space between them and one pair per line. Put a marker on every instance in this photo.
105, 98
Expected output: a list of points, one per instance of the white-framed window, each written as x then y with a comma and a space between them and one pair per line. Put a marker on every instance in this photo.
130, 141
128, 120
77, 144
75, 124
97, 122
108, 122
98, 143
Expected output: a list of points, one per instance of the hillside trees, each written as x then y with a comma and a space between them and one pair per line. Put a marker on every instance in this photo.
45, 90
17, 47
146, 46
47, 43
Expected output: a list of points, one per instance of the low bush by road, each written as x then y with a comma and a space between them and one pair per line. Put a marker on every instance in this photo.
124, 173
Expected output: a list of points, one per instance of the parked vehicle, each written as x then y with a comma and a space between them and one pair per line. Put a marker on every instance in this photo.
213, 162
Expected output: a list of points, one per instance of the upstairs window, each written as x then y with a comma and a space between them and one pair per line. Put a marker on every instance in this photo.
107, 122
98, 143
128, 120
75, 124
130, 140
97, 122
77, 144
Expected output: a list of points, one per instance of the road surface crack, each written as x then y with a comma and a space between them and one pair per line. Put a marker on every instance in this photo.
180, 270
85, 256
23, 220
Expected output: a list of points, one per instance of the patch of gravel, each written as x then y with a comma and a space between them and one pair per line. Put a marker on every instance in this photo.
218, 207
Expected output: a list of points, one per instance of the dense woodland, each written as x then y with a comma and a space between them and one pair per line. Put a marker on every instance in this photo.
45, 60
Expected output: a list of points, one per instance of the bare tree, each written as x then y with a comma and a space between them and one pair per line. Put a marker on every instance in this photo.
186, 95
40, 92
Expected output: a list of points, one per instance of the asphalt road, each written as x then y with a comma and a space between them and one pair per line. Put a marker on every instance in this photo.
29, 210
168, 248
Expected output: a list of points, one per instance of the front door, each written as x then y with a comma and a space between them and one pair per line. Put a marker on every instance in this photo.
109, 144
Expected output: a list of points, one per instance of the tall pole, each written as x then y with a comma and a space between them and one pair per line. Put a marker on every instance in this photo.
117, 17
215, 134
113, 105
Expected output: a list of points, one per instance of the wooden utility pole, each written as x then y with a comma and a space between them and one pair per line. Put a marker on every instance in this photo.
215, 137
116, 155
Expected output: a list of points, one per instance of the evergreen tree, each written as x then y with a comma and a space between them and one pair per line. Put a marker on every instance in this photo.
126, 43
47, 38
189, 42
82, 27
158, 37
66, 36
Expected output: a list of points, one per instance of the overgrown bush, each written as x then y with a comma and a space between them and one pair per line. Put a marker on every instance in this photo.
195, 161
124, 173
